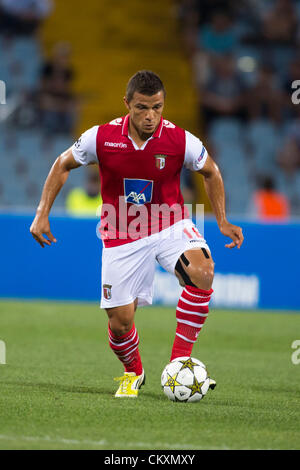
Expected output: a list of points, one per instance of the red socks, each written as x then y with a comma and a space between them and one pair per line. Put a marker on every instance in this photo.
126, 348
191, 313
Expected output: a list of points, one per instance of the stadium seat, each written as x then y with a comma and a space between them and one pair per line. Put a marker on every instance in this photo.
233, 162
29, 142
14, 194
60, 144
289, 185
225, 129
226, 134
25, 48
264, 140
232, 157
4, 72
282, 56
20, 63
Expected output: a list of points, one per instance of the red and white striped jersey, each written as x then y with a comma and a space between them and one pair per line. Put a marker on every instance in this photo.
140, 187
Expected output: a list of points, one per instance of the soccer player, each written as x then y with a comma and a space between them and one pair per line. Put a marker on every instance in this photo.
144, 220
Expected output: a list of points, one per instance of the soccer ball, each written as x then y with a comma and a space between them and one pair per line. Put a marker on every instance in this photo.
185, 379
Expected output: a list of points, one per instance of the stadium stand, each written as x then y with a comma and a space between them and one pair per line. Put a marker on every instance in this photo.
246, 117
247, 114
114, 48
26, 150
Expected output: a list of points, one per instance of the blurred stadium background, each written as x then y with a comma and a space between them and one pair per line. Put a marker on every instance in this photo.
228, 67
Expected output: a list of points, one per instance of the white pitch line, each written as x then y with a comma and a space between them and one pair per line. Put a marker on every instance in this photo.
103, 442
59, 440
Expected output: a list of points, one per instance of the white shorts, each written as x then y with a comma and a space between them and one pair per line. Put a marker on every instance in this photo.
128, 270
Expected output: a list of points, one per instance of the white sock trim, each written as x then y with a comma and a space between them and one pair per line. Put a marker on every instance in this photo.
132, 338
126, 349
191, 323
124, 356
204, 304
202, 296
185, 338
192, 313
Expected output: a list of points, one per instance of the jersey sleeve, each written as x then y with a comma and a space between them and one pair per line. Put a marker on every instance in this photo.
195, 152
84, 149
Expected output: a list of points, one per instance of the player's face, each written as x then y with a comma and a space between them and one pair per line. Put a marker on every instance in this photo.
145, 111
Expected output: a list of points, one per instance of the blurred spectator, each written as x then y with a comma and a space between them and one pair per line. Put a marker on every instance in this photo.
188, 23
280, 23
57, 102
293, 138
224, 93
86, 201
265, 97
226, 42
206, 9
218, 36
23, 17
270, 204
274, 23
249, 14
289, 156
193, 14
289, 167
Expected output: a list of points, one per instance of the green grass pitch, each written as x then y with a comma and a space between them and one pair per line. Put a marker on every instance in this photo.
56, 389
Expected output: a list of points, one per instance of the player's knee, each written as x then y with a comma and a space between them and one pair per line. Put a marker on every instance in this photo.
202, 275
120, 328
120, 322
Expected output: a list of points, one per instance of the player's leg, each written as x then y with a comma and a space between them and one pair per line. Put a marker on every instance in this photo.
195, 270
121, 318
124, 342
127, 281
189, 258
123, 336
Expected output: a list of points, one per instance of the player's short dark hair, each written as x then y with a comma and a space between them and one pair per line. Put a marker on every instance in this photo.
144, 82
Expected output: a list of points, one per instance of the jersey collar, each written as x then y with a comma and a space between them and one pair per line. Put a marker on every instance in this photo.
156, 134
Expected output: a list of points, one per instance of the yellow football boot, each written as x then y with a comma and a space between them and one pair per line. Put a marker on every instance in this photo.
130, 383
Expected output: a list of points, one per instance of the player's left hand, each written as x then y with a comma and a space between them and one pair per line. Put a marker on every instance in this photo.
234, 232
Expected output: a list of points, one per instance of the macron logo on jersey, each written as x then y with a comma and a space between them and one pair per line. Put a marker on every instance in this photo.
118, 145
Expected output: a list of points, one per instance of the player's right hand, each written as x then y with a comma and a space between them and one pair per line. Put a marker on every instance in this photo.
234, 232
40, 227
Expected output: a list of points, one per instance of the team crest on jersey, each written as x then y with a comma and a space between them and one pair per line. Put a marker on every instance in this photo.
160, 161
138, 191
107, 291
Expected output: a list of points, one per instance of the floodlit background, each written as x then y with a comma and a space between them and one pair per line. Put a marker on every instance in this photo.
229, 68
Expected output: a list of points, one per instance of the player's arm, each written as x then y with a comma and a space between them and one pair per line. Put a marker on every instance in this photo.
56, 178
83, 152
214, 186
